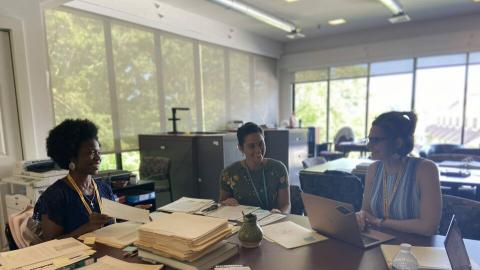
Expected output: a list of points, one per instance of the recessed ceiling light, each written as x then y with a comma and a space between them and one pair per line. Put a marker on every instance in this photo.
337, 21
291, 1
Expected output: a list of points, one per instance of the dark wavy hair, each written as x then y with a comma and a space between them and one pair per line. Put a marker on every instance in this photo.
398, 125
64, 140
245, 129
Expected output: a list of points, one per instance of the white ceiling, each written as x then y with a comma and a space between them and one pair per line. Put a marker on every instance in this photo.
309, 14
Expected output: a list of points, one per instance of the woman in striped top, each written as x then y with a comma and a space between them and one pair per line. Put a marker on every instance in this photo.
401, 192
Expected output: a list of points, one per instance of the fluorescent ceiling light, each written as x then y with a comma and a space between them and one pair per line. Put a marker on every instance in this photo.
393, 5
292, 1
259, 15
337, 21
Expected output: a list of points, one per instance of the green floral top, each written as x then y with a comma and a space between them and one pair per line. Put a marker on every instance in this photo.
237, 180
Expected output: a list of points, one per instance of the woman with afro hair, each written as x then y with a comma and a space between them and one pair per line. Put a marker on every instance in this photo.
72, 205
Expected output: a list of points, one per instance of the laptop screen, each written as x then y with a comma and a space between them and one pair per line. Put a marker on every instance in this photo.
457, 254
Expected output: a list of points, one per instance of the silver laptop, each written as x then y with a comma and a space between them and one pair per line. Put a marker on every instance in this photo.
456, 252
337, 220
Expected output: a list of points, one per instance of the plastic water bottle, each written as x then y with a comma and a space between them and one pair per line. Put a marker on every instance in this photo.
405, 260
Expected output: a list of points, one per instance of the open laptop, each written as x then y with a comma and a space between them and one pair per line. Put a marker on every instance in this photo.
337, 220
456, 251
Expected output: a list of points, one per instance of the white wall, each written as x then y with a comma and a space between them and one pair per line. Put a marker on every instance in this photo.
449, 35
24, 20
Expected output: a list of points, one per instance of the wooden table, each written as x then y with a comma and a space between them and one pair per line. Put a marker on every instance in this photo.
329, 254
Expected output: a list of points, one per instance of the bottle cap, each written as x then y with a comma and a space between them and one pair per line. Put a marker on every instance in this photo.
405, 246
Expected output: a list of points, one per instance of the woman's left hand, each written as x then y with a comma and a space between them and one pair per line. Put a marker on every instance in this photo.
144, 206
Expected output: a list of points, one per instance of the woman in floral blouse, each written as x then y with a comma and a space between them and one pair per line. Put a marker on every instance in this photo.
256, 180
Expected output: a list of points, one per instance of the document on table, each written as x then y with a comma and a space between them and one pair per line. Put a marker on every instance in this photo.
270, 219
291, 235
158, 215
43, 254
107, 262
123, 211
186, 205
117, 235
234, 213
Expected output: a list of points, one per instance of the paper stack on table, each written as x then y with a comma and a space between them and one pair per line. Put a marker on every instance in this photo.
107, 262
183, 237
233, 213
117, 235
48, 255
186, 205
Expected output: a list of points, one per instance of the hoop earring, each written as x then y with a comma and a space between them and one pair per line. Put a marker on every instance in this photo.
71, 166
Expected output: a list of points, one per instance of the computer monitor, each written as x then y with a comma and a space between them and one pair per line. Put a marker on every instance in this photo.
456, 251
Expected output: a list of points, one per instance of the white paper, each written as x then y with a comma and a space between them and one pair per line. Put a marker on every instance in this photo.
232, 212
125, 212
291, 235
186, 205
261, 213
107, 262
270, 219
46, 251
116, 235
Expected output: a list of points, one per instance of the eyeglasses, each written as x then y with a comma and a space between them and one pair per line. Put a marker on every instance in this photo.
375, 140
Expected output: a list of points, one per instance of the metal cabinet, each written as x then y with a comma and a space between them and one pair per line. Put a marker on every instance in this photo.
181, 150
196, 160
290, 147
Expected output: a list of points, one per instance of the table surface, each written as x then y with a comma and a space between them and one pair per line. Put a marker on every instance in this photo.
328, 254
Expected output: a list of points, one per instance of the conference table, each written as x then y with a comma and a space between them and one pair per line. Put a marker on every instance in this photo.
330, 254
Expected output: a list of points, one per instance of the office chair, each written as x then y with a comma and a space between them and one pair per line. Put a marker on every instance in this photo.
335, 185
157, 169
467, 213
345, 134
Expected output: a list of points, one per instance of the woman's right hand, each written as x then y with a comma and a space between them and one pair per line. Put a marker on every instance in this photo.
230, 202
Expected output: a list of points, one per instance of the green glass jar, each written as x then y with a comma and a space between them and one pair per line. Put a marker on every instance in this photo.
250, 234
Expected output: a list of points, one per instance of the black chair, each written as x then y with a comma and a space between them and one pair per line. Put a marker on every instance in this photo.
335, 185
467, 213
296, 202
309, 162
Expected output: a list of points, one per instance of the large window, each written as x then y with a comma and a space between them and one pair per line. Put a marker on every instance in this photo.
472, 119
311, 106
437, 96
135, 83
78, 71
126, 78
439, 103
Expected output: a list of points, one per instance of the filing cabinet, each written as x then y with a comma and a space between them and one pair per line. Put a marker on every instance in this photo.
290, 147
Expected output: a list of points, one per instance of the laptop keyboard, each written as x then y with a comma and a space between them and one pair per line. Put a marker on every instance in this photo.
368, 240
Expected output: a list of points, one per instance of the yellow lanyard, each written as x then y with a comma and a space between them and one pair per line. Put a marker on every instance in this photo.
386, 200
80, 194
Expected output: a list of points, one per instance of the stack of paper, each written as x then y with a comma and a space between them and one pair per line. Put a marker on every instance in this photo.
118, 235
183, 236
186, 205
207, 262
48, 255
427, 257
107, 262
233, 213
